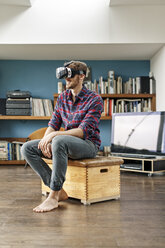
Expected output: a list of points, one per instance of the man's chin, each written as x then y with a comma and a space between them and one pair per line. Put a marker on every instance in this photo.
68, 87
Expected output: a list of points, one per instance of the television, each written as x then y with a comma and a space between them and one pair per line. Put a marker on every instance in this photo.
140, 133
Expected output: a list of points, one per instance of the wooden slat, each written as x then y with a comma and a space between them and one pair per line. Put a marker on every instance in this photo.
12, 162
15, 117
122, 95
13, 139
127, 95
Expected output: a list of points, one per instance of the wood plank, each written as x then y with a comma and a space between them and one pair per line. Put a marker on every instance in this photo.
127, 95
106, 117
12, 162
13, 139
136, 220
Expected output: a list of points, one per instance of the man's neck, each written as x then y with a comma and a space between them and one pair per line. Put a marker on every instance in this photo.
76, 91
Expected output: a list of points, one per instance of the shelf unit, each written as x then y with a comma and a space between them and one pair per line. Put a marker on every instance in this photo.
11, 117
143, 165
123, 96
110, 96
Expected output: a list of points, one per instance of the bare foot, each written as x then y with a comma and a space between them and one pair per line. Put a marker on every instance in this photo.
51, 202
62, 195
46, 206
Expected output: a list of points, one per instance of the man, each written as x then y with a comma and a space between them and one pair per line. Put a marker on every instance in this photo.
79, 110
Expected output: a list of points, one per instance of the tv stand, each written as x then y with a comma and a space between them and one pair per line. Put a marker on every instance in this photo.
143, 165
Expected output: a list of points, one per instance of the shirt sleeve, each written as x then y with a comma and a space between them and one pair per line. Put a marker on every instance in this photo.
56, 120
91, 120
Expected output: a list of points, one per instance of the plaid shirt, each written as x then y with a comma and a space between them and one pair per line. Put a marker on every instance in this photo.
84, 113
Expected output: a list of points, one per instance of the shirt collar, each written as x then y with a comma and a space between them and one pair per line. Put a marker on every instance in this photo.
80, 95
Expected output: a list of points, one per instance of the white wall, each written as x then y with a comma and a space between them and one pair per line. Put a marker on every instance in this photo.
158, 68
81, 21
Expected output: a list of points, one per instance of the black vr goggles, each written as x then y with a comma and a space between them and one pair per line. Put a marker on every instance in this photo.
66, 72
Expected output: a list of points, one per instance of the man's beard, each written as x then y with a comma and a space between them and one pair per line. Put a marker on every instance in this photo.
72, 85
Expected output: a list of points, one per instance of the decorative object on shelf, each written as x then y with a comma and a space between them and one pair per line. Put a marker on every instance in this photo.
18, 103
61, 87
107, 151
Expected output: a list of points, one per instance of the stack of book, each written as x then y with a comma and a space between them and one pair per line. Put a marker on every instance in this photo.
10, 150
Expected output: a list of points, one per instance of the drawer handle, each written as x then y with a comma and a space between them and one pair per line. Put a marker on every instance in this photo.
103, 170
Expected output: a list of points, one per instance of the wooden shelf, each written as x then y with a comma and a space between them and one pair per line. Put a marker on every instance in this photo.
106, 117
23, 117
127, 95
122, 95
12, 162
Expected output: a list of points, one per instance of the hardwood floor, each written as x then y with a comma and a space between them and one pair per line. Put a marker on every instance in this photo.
136, 220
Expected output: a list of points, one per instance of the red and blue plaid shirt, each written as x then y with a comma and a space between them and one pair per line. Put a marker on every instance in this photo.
84, 113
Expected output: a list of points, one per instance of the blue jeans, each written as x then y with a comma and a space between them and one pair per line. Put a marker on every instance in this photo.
63, 146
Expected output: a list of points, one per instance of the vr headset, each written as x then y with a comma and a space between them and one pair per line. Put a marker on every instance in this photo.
66, 72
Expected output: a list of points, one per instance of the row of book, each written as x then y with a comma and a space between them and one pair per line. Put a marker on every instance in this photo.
137, 85
10, 150
125, 105
41, 107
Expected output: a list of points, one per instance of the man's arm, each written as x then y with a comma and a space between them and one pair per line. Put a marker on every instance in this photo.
48, 131
51, 133
92, 118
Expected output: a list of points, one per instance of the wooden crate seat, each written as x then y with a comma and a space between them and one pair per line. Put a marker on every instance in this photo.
91, 180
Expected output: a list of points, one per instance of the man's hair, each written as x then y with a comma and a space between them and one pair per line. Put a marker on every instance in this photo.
77, 65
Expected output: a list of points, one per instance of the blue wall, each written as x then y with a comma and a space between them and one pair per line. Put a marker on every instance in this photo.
40, 79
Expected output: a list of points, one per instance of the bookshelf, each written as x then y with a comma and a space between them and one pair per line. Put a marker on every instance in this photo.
8, 117
105, 117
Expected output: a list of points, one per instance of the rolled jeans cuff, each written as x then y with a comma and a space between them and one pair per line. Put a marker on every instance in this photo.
56, 186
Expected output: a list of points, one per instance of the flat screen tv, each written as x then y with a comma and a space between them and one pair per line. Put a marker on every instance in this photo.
138, 133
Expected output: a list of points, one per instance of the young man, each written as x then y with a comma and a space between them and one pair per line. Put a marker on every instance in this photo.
79, 110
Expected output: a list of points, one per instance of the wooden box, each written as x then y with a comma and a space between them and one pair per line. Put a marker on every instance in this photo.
91, 180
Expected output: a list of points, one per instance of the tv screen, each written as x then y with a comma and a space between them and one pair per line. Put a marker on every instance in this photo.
138, 133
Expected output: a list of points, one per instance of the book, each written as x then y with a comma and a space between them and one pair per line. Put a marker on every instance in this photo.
60, 87
3, 150
145, 85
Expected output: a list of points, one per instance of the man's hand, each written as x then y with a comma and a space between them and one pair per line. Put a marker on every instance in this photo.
45, 141
48, 152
